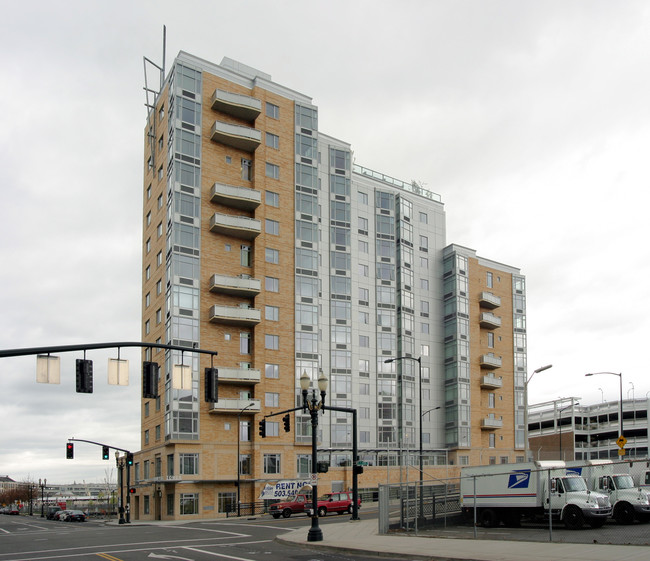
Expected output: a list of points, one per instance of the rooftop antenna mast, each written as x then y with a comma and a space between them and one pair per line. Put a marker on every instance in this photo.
161, 70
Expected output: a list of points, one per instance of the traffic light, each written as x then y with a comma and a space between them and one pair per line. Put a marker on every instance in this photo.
69, 451
357, 469
84, 376
129, 458
322, 467
150, 372
211, 385
132, 490
105, 452
287, 422
262, 431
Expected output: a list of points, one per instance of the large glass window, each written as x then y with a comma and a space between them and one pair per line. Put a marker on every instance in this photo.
272, 463
189, 464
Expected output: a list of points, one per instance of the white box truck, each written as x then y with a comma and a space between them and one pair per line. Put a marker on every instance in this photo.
629, 501
509, 493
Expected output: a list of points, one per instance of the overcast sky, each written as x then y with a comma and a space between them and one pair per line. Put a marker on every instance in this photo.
530, 119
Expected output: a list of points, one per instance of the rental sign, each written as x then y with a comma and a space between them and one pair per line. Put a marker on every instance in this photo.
283, 489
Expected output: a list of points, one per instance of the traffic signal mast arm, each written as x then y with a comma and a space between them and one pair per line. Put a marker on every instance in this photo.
98, 444
282, 412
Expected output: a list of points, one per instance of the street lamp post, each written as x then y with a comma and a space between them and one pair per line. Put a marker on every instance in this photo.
560, 423
120, 467
620, 385
239, 458
42, 485
541, 369
313, 405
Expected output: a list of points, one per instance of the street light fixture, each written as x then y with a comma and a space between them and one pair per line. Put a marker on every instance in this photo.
541, 369
620, 385
313, 405
239, 458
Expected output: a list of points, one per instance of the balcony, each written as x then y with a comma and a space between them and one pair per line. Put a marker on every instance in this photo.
490, 361
489, 320
243, 198
489, 300
238, 105
490, 382
235, 286
491, 424
237, 226
244, 376
232, 405
234, 315
237, 136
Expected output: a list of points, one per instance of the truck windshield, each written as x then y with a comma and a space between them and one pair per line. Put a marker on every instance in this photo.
623, 481
575, 484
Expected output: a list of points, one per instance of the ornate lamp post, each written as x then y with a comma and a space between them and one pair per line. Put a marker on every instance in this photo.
313, 405
120, 467
42, 485
239, 458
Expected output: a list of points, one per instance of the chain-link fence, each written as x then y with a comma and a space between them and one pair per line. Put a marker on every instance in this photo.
576, 502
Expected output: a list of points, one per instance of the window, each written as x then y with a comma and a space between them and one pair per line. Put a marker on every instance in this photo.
158, 462
272, 140
159, 259
272, 227
271, 284
159, 230
489, 280
272, 399
147, 327
424, 218
363, 246
424, 350
272, 463
147, 300
272, 342
246, 255
272, 171
364, 341
272, 428
160, 173
362, 198
161, 113
363, 224
145, 505
148, 246
424, 284
272, 313
490, 340
364, 365
189, 503
491, 444
491, 400
160, 201
272, 199
272, 110
188, 464
148, 218
146, 409
245, 343
159, 287
170, 464
424, 262
424, 328
272, 371
272, 256
246, 169
244, 464
424, 308
364, 389
364, 318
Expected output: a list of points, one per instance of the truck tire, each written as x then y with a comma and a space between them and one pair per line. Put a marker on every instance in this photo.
511, 519
573, 518
286, 513
489, 518
624, 513
322, 511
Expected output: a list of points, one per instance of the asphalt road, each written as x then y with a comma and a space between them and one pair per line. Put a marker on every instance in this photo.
24, 538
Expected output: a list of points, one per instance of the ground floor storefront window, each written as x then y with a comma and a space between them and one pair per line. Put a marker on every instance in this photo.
189, 503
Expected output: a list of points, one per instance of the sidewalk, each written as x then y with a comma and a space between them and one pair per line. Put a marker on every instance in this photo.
362, 536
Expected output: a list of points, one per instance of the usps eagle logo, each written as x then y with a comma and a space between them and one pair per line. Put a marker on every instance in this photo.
519, 479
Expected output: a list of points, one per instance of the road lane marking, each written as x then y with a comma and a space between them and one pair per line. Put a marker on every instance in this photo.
108, 556
219, 554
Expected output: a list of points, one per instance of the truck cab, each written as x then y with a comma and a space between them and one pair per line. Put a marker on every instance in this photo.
630, 502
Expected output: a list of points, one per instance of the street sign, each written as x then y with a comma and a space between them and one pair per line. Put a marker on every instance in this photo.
314, 479
362, 463
622, 441
621, 452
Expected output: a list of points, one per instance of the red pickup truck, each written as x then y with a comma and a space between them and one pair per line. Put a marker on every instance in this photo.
331, 502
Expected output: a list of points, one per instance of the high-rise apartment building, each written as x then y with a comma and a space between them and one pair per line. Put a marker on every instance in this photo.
265, 241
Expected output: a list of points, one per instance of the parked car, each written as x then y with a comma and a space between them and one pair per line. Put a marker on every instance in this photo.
52, 510
60, 515
336, 502
13, 510
75, 516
